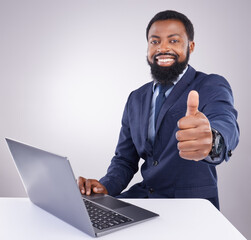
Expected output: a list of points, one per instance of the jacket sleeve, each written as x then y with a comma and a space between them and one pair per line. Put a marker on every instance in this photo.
125, 162
218, 106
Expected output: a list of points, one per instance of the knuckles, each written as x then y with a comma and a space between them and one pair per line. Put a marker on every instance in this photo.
177, 135
179, 146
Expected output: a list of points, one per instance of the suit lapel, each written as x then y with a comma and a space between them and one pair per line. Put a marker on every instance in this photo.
177, 91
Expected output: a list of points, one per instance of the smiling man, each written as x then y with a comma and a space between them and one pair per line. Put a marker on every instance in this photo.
182, 124
169, 48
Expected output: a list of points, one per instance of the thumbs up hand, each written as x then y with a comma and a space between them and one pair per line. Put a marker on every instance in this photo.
195, 136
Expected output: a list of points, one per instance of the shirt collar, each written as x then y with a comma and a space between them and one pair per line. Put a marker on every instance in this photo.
174, 82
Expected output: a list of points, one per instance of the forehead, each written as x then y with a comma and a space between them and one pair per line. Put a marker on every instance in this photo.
167, 27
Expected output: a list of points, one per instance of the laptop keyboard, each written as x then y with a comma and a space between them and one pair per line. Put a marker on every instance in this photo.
103, 218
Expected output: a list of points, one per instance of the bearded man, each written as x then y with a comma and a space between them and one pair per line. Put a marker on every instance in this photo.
182, 124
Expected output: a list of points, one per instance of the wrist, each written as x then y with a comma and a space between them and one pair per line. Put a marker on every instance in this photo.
217, 144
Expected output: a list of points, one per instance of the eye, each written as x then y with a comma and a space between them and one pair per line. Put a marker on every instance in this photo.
174, 41
153, 42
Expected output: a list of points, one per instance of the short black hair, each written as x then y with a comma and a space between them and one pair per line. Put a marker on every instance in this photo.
170, 14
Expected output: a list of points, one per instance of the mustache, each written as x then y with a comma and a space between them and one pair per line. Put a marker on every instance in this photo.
166, 54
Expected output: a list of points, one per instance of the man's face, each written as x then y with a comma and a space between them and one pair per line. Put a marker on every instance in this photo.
168, 49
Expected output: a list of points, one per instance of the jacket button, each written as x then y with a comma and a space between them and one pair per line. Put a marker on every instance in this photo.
151, 190
155, 163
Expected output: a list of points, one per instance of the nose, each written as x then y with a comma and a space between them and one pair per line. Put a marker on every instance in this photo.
163, 47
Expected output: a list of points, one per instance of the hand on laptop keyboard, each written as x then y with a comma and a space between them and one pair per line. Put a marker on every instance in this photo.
87, 186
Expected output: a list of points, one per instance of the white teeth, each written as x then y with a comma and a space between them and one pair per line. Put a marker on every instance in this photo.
164, 60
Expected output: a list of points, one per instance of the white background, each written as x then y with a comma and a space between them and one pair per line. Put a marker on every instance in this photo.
68, 66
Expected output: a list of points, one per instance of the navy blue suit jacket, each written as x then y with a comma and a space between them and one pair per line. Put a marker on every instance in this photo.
165, 174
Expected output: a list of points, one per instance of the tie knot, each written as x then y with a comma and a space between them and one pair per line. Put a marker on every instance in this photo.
164, 87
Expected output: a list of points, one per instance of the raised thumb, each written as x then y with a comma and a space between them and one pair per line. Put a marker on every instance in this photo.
192, 103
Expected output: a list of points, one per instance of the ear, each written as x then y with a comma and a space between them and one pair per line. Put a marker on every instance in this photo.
191, 46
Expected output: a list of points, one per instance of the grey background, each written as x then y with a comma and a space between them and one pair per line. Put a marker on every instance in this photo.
68, 66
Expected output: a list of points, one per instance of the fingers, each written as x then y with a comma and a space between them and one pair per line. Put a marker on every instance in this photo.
192, 103
193, 155
81, 184
92, 185
193, 133
194, 145
192, 121
87, 186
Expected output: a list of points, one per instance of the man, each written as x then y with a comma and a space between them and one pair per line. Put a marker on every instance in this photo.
182, 124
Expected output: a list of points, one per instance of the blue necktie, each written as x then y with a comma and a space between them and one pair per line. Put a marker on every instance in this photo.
160, 99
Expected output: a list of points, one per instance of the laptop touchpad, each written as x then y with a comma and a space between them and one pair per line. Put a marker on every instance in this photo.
111, 202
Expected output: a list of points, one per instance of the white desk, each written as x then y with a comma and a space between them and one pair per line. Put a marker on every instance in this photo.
179, 219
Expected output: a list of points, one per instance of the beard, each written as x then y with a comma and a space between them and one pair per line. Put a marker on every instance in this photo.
167, 75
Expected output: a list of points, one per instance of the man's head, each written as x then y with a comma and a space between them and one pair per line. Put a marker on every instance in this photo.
170, 41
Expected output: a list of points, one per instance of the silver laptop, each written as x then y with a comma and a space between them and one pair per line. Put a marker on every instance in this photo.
50, 184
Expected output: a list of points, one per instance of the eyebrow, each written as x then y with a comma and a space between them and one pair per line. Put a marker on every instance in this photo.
175, 34
169, 36
154, 36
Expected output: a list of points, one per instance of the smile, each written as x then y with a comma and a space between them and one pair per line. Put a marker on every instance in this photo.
165, 60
